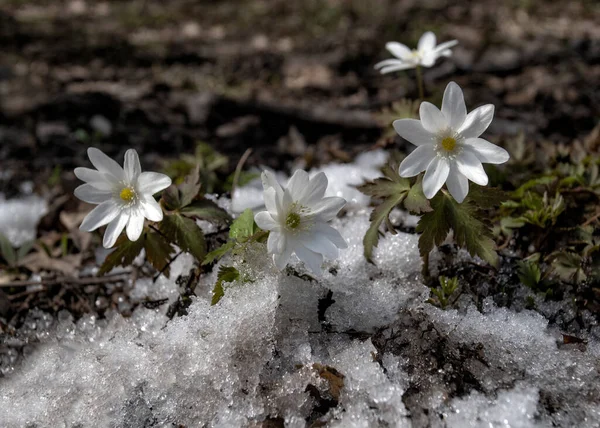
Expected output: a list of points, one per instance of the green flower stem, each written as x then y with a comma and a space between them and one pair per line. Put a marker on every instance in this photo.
420, 83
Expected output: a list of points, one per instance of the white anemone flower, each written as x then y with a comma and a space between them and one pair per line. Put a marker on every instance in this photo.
297, 219
449, 149
425, 55
123, 195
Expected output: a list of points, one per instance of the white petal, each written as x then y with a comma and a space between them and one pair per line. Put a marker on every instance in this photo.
135, 226
92, 195
453, 106
435, 176
327, 208
412, 130
398, 49
132, 165
281, 258
487, 152
315, 190
99, 180
471, 167
418, 161
443, 47
397, 67
428, 59
388, 62
271, 202
273, 241
152, 182
432, 118
312, 260
114, 229
99, 216
477, 121
269, 180
332, 234
105, 164
264, 220
151, 209
298, 184
426, 42
458, 185
320, 244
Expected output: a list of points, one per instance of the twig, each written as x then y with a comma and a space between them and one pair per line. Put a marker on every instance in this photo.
591, 220
88, 280
166, 267
238, 169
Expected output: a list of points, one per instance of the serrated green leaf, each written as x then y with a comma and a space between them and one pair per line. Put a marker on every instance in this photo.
184, 233
189, 189
170, 198
123, 254
158, 252
529, 273
379, 215
388, 185
465, 219
7, 251
206, 210
243, 227
415, 200
568, 266
487, 197
226, 274
217, 253
540, 181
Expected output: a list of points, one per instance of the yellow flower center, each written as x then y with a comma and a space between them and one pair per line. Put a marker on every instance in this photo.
448, 144
127, 194
293, 220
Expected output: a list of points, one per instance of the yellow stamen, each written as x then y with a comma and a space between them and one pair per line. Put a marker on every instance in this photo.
293, 220
448, 144
127, 194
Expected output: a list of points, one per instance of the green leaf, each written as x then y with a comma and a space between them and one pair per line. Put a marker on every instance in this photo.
380, 214
470, 231
226, 274
158, 252
529, 273
7, 251
217, 253
206, 210
189, 189
24, 249
541, 181
415, 201
243, 227
123, 255
568, 266
487, 197
170, 198
389, 185
184, 233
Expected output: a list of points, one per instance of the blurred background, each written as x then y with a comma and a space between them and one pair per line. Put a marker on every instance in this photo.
294, 80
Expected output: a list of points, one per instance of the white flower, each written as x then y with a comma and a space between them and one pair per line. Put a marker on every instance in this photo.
449, 149
425, 55
297, 219
124, 195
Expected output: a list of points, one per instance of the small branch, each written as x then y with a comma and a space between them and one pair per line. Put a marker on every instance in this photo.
238, 169
88, 280
591, 220
166, 267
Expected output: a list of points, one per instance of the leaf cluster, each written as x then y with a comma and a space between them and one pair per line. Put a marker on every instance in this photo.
442, 293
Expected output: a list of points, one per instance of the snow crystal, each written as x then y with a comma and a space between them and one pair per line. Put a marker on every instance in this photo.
19, 218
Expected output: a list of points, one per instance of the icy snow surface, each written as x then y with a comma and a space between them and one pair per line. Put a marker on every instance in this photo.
358, 347
19, 218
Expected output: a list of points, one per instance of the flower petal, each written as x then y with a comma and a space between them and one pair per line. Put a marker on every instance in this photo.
426, 42
91, 194
132, 165
152, 182
315, 190
271, 202
331, 233
135, 226
312, 260
99, 180
398, 49
487, 152
273, 241
327, 208
99, 216
412, 130
397, 67
320, 244
458, 185
298, 184
417, 162
477, 121
445, 47
432, 118
435, 176
453, 106
388, 62
470, 166
114, 229
265, 221
151, 209
283, 254
105, 164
